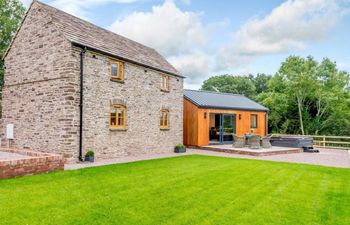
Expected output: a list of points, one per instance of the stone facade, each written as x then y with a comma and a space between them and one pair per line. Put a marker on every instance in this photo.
144, 99
41, 97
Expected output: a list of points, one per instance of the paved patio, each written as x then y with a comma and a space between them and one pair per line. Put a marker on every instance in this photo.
326, 157
11, 156
274, 150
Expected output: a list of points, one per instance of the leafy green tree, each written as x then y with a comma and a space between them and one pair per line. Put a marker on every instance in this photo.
11, 14
261, 82
230, 84
304, 96
299, 75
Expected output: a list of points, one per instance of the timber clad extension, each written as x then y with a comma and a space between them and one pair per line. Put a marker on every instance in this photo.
211, 117
124, 97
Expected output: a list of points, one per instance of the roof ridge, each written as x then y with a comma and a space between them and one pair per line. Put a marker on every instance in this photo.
84, 33
216, 92
90, 23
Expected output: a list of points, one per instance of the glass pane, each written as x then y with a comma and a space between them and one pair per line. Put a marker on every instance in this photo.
114, 71
227, 123
113, 121
253, 121
120, 121
166, 119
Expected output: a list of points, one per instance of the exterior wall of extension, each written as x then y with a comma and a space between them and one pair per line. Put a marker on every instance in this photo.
197, 126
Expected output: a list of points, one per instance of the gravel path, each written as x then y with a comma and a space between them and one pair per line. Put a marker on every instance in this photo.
326, 157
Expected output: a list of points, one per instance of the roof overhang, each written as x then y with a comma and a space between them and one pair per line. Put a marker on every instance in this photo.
225, 108
124, 59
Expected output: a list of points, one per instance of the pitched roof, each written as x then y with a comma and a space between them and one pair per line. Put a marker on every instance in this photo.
86, 34
207, 99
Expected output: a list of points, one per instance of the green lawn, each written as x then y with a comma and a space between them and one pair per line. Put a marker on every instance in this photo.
181, 190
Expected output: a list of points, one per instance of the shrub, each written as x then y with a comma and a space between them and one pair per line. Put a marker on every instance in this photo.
180, 146
89, 154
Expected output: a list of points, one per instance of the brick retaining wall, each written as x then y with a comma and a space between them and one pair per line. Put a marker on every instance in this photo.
32, 163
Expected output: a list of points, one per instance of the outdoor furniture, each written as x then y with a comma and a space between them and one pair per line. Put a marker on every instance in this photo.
254, 142
265, 142
246, 138
238, 141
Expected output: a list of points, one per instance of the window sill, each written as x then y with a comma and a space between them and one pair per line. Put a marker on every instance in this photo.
165, 129
117, 129
164, 90
117, 80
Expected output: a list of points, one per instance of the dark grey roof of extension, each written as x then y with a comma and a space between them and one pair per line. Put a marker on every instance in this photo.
208, 99
83, 33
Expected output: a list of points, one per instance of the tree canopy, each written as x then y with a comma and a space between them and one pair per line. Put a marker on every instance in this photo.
11, 14
304, 96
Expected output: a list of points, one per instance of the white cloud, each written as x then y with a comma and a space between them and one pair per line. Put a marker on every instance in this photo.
195, 66
291, 26
81, 8
178, 35
166, 28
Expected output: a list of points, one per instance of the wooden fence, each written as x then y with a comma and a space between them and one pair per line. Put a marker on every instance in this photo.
323, 141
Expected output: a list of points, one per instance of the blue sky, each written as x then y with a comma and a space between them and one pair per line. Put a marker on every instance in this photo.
202, 38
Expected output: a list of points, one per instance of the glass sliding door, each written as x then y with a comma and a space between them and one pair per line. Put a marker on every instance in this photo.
228, 128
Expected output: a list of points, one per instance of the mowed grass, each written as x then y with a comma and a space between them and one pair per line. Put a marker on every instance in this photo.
182, 190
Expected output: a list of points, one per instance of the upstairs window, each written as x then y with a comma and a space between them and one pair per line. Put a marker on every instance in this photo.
117, 116
165, 82
116, 70
253, 121
164, 119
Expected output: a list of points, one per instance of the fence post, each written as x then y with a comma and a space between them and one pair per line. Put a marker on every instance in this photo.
324, 141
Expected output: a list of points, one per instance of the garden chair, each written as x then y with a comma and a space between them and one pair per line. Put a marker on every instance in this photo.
238, 142
254, 142
265, 142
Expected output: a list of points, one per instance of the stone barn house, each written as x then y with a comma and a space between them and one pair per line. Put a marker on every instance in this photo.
65, 77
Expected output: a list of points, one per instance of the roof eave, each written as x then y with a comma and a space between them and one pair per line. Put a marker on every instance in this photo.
232, 108
225, 108
125, 59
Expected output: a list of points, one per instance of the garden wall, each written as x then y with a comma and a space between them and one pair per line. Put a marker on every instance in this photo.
31, 163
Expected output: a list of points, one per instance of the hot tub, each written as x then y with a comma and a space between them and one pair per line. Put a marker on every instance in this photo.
294, 141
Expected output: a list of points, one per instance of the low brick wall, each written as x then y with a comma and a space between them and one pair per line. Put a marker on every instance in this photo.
31, 163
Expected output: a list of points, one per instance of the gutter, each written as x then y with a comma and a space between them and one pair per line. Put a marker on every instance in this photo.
82, 53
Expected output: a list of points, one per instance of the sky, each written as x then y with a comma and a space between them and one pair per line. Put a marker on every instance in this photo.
203, 38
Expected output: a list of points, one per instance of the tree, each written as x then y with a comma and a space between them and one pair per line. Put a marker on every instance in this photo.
11, 14
304, 96
299, 76
230, 84
261, 81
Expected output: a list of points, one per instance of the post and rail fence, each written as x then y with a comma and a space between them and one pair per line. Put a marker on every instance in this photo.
324, 141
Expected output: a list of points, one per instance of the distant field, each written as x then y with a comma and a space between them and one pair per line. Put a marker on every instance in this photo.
181, 190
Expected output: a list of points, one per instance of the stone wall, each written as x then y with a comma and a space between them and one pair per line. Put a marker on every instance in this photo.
144, 100
41, 85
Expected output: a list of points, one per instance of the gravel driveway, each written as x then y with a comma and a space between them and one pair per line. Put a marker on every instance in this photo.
326, 157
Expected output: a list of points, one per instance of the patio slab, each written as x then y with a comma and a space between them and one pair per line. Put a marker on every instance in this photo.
11, 156
274, 150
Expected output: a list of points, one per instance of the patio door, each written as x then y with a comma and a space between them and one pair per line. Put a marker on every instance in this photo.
228, 127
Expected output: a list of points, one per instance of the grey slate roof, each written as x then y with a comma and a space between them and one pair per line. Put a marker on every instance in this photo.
207, 99
86, 34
